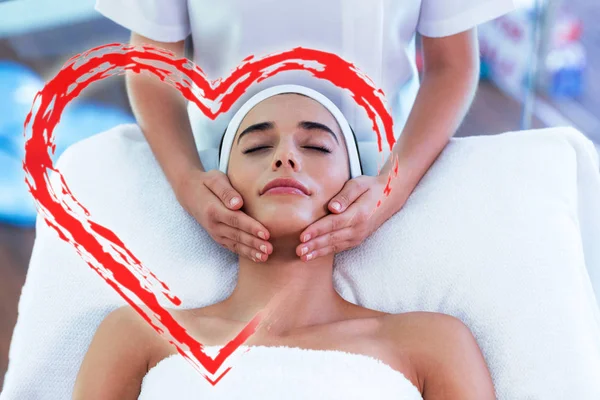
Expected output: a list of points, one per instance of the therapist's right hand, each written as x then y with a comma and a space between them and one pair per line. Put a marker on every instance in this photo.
209, 197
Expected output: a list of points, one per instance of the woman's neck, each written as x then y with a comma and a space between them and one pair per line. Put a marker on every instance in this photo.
291, 293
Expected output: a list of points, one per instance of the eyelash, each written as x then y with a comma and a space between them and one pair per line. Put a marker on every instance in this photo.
322, 149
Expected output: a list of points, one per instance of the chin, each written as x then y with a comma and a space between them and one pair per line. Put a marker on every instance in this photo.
279, 232
285, 219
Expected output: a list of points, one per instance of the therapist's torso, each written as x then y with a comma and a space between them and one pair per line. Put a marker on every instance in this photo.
377, 36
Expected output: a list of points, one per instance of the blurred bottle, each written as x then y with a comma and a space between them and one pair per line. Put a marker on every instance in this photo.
565, 67
562, 56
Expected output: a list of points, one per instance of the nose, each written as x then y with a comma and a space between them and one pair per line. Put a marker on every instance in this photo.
286, 157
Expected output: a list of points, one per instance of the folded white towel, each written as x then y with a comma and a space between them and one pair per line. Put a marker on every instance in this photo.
498, 233
260, 372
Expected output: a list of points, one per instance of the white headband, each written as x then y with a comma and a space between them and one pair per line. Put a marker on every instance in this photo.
351, 145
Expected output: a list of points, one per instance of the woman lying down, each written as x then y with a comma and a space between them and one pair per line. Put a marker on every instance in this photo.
288, 156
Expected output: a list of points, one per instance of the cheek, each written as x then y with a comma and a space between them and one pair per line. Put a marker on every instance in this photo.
239, 176
331, 178
336, 172
244, 178
241, 183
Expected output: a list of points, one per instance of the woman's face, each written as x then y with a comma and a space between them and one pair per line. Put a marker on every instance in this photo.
288, 136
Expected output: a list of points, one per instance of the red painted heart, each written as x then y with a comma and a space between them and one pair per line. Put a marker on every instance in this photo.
119, 267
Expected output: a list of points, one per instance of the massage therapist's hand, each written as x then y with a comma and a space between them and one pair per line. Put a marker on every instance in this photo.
350, 223
215, 204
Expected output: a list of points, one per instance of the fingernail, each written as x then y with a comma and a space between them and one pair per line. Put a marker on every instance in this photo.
262, 235
263, 248
336, 206
304, 250
306, 238
234, 201
259, 256
308, 257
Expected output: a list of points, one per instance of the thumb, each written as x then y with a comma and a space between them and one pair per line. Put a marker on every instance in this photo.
234, 200
226, 193
348, 195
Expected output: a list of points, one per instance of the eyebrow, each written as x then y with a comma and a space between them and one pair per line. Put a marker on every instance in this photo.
308, 125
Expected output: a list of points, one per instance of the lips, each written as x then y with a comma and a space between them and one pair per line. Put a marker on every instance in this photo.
285, 182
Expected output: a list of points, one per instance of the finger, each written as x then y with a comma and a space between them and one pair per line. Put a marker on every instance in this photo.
335, 242
325, 251
243, 250
240, 236
351, 191
356, 214
240, 220
329, 223
221, 187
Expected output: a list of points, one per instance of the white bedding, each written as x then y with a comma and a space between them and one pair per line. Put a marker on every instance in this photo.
502, 233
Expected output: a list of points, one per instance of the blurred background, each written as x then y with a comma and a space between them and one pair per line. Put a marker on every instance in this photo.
540, 67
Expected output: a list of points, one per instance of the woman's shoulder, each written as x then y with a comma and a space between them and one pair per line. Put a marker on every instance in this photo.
423, 331
410, 322
442, 349
126, 319
127, 326
204, 324
121, 343
129, 320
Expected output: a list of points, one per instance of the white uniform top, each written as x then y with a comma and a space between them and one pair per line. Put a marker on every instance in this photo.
378, 36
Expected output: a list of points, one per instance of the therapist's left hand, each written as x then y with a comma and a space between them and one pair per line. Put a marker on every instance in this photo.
351, 223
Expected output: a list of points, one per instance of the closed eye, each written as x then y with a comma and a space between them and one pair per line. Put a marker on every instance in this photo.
318, 148
255, 149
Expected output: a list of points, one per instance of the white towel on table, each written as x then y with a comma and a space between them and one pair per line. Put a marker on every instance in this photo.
498, 233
